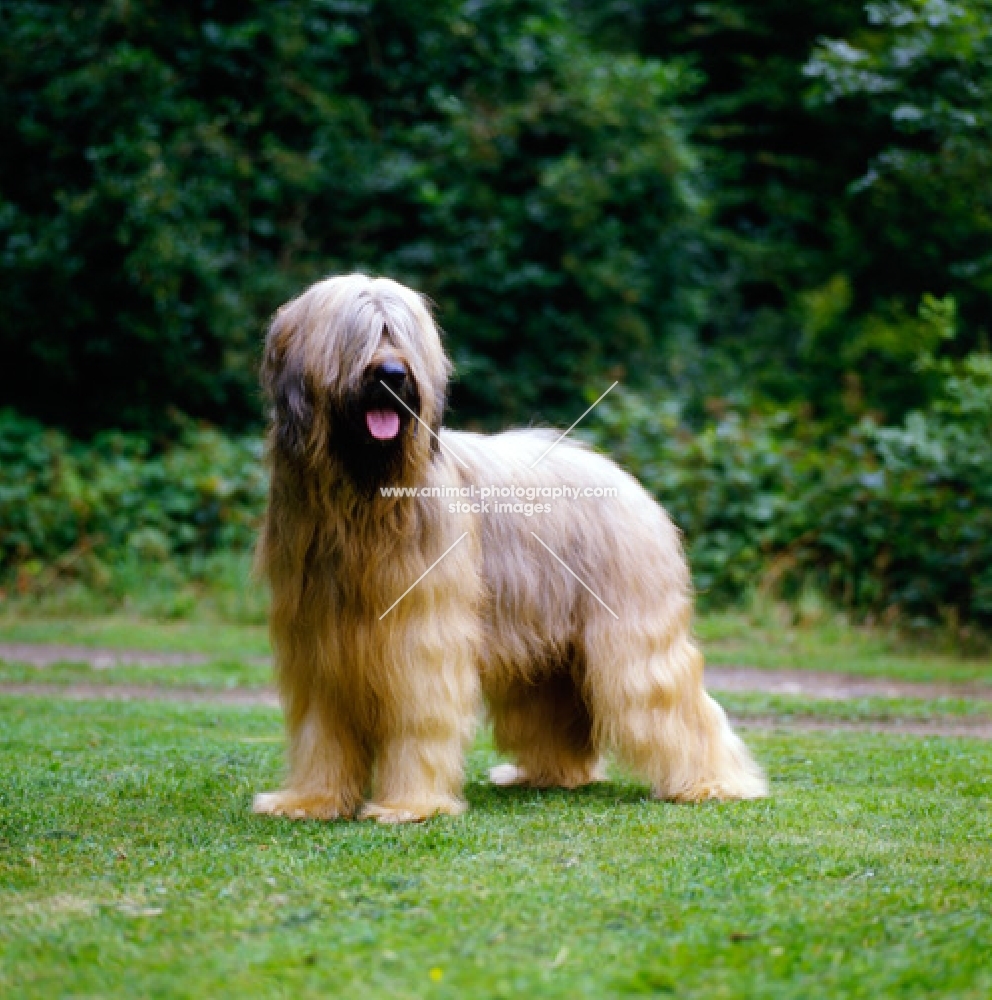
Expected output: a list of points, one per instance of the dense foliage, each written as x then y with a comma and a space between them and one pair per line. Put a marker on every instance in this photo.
889, 519
847, 157
170, 172
771, 221
68, 508
740, 197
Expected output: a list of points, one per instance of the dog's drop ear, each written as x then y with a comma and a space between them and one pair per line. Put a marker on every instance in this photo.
284, 383
293, 409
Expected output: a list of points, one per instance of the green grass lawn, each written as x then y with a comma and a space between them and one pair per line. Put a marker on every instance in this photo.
216, 674
788, 706
130, 865
119, 631
226, 675
767, 639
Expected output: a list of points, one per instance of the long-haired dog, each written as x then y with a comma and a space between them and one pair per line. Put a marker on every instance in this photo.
391, 614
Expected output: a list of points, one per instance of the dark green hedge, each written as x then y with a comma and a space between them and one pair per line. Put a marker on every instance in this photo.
66, 504
740, 195
171, 171
847, 154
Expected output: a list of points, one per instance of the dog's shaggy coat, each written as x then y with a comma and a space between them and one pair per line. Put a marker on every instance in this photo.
381, 693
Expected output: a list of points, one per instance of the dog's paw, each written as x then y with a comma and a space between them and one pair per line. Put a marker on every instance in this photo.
508, 775
414, 812
751, 786
298, 805
390, 816
505, 775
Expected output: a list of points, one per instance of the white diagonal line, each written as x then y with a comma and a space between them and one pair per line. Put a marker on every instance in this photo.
429, 431
577, 577
422, 575
569, 431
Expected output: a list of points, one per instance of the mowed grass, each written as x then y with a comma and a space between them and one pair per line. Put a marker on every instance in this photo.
766, 638
213, 675
123, 631
790, 707
228, 675
130, 865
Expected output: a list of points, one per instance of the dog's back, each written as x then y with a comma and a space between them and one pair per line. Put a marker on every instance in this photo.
567, 536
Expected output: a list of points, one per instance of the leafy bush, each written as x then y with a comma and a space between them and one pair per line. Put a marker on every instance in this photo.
894, 520
67, 507
735, 192
847, 157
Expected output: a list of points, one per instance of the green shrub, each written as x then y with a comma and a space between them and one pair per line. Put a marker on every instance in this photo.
80, 507
734, 192
893, 520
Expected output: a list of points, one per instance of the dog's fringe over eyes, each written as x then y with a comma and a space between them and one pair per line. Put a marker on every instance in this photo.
572, 656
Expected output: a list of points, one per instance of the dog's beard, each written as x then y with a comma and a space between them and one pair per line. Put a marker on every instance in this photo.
372, 432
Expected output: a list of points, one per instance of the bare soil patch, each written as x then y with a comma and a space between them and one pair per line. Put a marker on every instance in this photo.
813, 684
142, 692
835, 687
975, 728
45, 654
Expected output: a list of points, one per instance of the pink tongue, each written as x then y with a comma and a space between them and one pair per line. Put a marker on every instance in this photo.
383, 424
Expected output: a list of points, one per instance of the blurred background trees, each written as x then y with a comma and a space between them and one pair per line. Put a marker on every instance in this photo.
171, 172
771, 221
846, 149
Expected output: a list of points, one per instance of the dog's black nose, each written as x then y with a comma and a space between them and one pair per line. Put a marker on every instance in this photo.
394, 373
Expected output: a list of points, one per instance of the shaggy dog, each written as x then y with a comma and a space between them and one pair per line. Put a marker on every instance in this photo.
392, 614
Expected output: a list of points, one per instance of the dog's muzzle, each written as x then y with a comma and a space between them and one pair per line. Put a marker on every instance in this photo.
369, 432
388, 401
385, 422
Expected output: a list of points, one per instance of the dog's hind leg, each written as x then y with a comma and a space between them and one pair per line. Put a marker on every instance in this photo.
546, 727
329, 768
645, 686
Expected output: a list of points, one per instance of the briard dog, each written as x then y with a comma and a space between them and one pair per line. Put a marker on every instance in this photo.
393, 610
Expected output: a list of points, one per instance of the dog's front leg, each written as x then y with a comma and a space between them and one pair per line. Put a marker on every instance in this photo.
329, 767
425, 731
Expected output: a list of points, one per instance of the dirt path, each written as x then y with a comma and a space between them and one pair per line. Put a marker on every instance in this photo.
835, 687
142, 692
45, 654
975, 728
808, 683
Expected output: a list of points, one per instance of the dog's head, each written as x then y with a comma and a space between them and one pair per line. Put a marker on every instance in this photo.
356, 375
